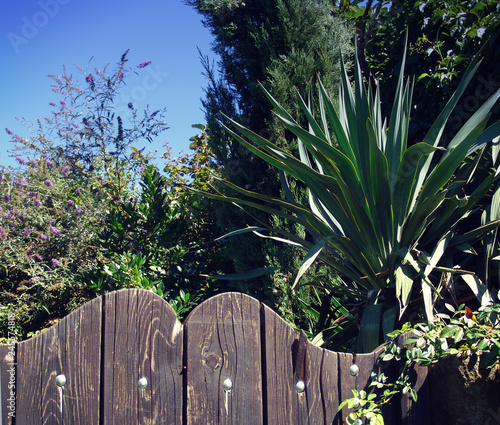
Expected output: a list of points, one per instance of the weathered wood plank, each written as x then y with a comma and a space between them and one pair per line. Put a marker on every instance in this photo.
367, 363
69, 348
223, 342
284, 405
419, 412
161, 401
349, 382
29, 379
81, 352
312, 397
142, 339
330, 389
119, 390
106, 346
8, 371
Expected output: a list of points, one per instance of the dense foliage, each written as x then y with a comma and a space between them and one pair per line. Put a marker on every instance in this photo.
457, 332
86, 211
399, 222
443, 37
281, 44
48, 241
161, 239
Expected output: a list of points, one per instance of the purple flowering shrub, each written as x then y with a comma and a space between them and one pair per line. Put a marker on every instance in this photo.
48, 242
76, 167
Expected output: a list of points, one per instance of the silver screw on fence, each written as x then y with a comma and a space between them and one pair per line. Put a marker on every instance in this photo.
300, 387
354, 370
60, 380
227, 385
142, 383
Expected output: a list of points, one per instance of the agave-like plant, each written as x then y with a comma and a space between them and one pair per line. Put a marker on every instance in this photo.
387, 216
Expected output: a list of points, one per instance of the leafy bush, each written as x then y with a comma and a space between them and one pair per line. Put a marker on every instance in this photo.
442, 39
160, 241
75, 168
48, 241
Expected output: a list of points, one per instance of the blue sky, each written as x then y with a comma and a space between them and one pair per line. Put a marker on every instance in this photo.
38, 37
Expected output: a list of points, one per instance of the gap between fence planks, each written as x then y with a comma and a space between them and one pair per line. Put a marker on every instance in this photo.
105, 347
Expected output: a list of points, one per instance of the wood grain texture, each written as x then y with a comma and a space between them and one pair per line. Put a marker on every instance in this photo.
284, 404
72, 348
142, 339
81, 357
358, 382
330, 390
223, 342
314, 397
166, 363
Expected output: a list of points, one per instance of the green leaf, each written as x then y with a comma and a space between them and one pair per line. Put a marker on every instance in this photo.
241, 231
449, 331
404, 283
370, 327
483, 344
377, 420
488, 135
410, 341
388, 321
449, 307
478, 120
459, 336
424, 75
318, 340
478, 288
309, 260
452, 159
343, 404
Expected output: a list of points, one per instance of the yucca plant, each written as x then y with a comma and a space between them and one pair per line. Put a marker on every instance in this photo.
392, 219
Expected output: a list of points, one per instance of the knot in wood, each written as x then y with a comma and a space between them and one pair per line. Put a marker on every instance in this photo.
212, 361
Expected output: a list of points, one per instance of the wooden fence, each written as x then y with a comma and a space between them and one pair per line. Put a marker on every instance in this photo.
124, 358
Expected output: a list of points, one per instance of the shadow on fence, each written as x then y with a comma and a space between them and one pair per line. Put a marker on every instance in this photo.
124, 358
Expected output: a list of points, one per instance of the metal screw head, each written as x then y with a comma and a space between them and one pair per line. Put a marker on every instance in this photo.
300, 387
227, 385
60, 380
142, 383
354, 370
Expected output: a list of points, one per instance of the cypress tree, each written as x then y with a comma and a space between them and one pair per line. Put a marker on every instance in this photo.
283, 45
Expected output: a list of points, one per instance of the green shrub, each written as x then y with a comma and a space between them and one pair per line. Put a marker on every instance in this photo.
48, 242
